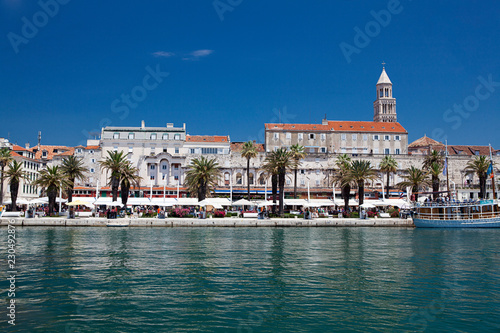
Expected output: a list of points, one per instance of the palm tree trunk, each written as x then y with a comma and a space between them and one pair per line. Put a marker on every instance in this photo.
124, 194
248, 178
482, 187
435, 187
346, 190
274, 184
387, 189
14, 188
52, 194
361, 193
281, 184
115, 183
295, 184
1, 185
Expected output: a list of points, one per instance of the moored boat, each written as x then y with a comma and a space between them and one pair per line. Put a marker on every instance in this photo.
476, 214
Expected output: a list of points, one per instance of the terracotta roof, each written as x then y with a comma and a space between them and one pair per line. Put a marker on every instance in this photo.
13, 153
468, 150
340, 126
92, 147
207, 138
297, 127
19, 148
366, 126
50, 151
238, 146
424, 142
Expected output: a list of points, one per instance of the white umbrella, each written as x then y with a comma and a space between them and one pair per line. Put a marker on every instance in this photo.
243, 202
265, 203
381, 204
79, 203
114, 204
18, 202
367, 205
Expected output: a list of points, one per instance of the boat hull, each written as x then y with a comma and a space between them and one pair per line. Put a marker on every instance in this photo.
479, 223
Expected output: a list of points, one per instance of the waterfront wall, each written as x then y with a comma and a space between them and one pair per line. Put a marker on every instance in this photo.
190, 222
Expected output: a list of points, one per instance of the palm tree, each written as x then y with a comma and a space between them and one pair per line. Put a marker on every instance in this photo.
359, 173
432, 163
5, 159
249, 151
343, 164
73, 168
271, 169
129, 176
416, 178
435, 170
298, 153
114, 163
388, 165
14, 175
202, 176
52, 179
480, 165
280, 161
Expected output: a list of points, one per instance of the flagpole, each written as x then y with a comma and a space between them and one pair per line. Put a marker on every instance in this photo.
447, 172
492, 176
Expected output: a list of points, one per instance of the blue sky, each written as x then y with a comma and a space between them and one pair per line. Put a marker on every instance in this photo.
232, 64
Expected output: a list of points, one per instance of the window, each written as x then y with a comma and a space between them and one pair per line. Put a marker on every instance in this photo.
91, 152
288, 135
365, 137
177, 137
387, 137
397, 151
250, 178
302, 182
79, 150
115, 149
323, 136
165, 136
387, 151
153, 136
397, 137
323, 149
288, 182
354, 137
131, 136
92, 160
375, 138
317, 172
44, 154
177, 150
312, 136
381, 93
209, 150
302, 172
276, 136
130, 149
164, 167
152, 166
301, 136
476, 152
92, 170
176, 177
152, 177
238, 179
191, 150
116, 135
317, 182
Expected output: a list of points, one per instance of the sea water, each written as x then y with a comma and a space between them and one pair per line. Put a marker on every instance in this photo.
254, 280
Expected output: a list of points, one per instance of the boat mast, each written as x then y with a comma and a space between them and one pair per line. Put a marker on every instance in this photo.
492, 176
447, 171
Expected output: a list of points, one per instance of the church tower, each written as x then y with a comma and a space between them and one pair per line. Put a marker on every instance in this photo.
384, 106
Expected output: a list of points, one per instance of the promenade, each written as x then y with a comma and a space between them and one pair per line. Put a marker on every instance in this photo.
213, 222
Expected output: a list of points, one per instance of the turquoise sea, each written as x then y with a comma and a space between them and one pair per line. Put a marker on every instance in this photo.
254, 280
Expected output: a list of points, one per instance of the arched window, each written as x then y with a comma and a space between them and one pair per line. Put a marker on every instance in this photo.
226, 178
250, 178
238, 179
262, 179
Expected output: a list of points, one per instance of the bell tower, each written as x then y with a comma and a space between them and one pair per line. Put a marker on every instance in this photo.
384, 107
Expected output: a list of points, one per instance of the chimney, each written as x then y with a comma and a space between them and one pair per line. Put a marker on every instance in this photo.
143, 124
324, 121
27, 146
169, 125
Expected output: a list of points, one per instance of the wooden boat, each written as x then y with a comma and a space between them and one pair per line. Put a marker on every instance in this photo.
475, 214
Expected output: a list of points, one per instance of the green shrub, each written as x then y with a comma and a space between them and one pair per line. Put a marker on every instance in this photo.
354, 215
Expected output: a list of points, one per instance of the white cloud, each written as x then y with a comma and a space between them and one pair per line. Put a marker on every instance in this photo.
201, 53
164, 54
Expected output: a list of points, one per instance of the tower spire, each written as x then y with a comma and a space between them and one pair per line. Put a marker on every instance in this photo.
384, 107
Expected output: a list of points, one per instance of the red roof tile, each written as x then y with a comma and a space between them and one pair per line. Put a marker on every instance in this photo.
297, 127
19, 148
207, 138
366, 126
50, 151
92, 147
